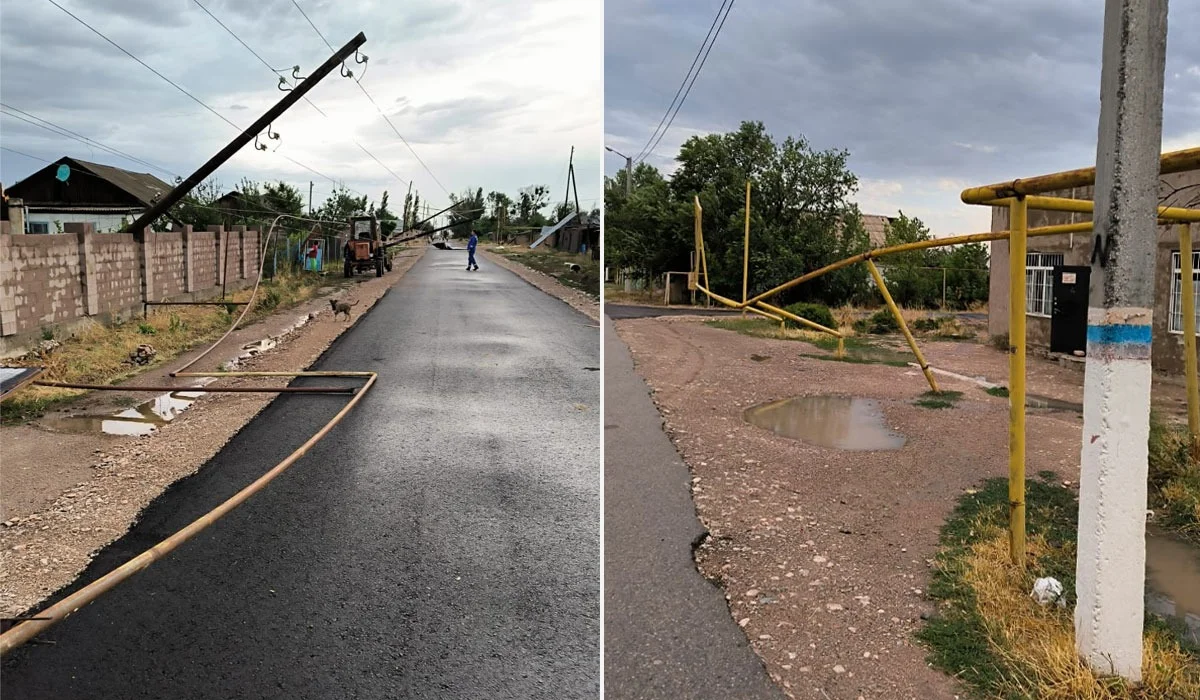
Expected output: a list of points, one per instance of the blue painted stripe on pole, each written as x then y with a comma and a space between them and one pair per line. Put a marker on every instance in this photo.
1119, 334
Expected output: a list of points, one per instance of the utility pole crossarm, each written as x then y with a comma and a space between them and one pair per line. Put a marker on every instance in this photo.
171, 198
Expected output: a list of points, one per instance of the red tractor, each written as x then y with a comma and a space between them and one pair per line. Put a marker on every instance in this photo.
365, 250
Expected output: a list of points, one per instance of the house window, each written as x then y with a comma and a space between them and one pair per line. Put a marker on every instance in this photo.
38, 226
1175, 311
1039, 282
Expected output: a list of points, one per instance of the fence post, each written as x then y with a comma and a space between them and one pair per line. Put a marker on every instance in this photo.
144, 239
87, 266
189, 273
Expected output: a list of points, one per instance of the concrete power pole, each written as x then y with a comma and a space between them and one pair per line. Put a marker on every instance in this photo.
1111, 563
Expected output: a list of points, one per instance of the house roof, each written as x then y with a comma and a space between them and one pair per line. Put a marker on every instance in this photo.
143, 187
146, 188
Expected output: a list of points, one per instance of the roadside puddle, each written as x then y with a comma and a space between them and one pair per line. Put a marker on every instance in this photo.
1173, 581
838, 422
142, 419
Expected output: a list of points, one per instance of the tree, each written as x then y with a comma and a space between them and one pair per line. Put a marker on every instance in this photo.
340, 205
464, 210
801, 216
914, 277
383, 214
530, 201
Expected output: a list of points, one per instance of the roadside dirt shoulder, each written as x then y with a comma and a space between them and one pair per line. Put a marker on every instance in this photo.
824, 554
58, 515
581, 302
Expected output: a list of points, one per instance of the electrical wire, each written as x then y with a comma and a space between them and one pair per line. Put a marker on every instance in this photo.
195, 99
285, 80
377, 107
63, 131
683, 82
687, 92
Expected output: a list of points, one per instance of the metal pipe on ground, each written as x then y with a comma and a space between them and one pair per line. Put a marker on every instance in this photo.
206, 389
27, 630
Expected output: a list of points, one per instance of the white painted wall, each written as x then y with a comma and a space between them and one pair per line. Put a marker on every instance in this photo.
104, 222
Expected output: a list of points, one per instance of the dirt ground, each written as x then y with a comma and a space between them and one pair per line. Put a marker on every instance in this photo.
825, 554
58, 511
581, 302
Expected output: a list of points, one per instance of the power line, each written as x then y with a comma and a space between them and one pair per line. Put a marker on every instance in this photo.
683, 82
195, 99
284, 78
377, 107
63, 131
693, 82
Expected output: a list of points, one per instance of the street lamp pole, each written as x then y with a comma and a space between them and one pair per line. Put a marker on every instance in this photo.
628, 170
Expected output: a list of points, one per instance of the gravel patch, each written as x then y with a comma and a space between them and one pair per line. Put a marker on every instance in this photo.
825, 554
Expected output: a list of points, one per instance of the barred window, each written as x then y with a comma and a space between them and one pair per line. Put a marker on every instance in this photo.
1039, 282
1175, 324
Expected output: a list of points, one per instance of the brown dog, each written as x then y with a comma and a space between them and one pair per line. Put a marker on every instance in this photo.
341, 307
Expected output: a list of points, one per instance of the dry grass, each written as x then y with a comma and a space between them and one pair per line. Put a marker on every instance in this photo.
1038, 643
614, 294
988, 631
99, 354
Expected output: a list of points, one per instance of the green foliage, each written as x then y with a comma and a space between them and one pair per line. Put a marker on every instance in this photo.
957, 636
878, 323
940, 399
467, 207
915, 278
1001, 391
176, 324
47, 333
268, 299
926, 325
817, 313
386, 227
146, 329
1174, 477
800, 215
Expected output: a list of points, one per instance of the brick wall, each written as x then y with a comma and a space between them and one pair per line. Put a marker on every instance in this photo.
61, 279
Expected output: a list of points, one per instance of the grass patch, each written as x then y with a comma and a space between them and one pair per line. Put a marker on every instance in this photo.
991, 635
936, 400
1001, 391
99, 354
616, 294
1174, 478
859, 350
555, 263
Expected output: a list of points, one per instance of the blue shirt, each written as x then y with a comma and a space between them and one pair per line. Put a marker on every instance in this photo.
472, 241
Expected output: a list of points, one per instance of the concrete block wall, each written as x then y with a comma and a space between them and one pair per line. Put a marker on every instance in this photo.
169, 262
62, 280
117, 272
40, 282
203, 247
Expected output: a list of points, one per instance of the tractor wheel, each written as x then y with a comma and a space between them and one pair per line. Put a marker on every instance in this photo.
348, 269
379, 268
389, 265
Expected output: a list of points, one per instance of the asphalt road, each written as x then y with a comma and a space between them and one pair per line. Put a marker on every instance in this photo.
441, 542
667, 631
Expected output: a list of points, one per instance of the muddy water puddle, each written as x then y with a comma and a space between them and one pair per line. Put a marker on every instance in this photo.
142, 419
838, 422
1173, 581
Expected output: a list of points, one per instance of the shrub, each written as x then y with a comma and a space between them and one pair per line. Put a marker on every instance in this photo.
926, 325
878, 323
817, 313
146, 329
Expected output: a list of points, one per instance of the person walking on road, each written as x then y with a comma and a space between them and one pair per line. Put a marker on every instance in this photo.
471, 243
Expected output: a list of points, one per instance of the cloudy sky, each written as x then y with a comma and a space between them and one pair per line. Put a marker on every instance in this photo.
929, 96
489, 93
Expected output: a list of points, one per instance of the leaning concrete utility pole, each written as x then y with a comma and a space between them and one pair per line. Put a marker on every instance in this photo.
1111, 562
292, 97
